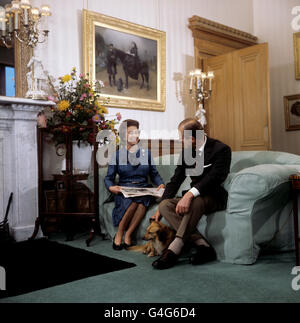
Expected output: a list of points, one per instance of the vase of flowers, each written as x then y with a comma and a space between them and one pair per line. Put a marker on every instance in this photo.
79, 108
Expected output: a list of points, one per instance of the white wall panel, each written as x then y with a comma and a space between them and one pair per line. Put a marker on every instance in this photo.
272, 23
64, 47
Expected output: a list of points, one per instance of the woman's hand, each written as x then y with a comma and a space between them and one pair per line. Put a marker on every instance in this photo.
156, 216
161, 186
115, 189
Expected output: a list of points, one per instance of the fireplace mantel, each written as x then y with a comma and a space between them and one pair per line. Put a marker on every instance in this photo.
18, 162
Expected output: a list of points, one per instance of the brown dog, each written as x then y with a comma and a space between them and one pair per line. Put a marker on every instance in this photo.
159, 236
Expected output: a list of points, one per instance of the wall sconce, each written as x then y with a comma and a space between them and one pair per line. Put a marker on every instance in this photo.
19, 20
200, 90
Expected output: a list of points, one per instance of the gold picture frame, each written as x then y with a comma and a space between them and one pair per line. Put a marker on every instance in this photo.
292, 112
297, 55
147, 57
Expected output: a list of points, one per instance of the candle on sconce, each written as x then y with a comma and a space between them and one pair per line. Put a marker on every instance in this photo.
45, 13
192, 79
198, 82
197, 73
210, 76
9, 17
25, 5
2, 20
3, 26
15, 9
2, 12
25, 17
35, 14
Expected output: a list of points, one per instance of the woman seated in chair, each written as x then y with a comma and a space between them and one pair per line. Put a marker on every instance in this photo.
134, 166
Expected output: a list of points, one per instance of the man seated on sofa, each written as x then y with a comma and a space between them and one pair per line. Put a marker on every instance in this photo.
206, 195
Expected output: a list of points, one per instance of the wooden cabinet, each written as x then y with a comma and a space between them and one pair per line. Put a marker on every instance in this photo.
238, 112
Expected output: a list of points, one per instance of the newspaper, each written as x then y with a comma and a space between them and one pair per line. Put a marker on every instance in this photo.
141, 191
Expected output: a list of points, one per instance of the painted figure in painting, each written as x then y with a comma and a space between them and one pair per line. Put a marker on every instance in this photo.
133, 50
295, 110
133, 66
111, 64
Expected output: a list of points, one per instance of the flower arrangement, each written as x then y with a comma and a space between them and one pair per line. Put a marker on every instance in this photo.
78, 108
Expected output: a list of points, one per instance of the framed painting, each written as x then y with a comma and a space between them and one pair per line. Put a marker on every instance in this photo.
129, 59
292, 112
297, 55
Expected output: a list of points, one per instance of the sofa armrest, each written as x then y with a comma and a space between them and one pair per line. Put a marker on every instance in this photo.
104, 194
256, 182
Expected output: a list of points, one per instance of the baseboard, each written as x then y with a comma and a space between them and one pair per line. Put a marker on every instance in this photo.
24, 233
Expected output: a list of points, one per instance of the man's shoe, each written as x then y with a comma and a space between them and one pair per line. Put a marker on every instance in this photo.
203, 255
166, 261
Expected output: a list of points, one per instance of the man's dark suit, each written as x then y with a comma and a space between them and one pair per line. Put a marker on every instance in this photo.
213, 197
217, 158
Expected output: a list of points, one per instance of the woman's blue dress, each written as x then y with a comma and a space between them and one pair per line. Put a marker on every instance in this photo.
134, 170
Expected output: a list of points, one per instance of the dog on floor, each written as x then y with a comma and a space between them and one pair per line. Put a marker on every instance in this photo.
159, 237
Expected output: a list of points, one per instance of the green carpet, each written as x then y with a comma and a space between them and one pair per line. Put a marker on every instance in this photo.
269, 280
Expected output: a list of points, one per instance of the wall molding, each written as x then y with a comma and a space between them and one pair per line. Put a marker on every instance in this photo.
204, 25
212, 38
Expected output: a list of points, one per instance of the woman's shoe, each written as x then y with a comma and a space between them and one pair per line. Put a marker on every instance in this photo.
116, 246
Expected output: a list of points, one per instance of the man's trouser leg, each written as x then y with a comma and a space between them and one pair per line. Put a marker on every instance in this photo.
186, 225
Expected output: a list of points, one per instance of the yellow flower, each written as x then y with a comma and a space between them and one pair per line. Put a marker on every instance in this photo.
101, 108
104, 110
66, 78
63, 105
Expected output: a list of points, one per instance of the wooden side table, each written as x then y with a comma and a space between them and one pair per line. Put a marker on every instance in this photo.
295, 181
66, 193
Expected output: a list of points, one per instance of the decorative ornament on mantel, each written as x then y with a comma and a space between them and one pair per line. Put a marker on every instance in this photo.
200, 90
37, 80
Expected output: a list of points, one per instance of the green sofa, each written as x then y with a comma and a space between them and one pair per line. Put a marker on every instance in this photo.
258, 210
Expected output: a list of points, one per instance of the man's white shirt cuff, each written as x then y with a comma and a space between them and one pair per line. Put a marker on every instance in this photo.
194, 191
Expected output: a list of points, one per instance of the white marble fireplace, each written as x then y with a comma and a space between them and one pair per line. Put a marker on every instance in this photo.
18, 163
